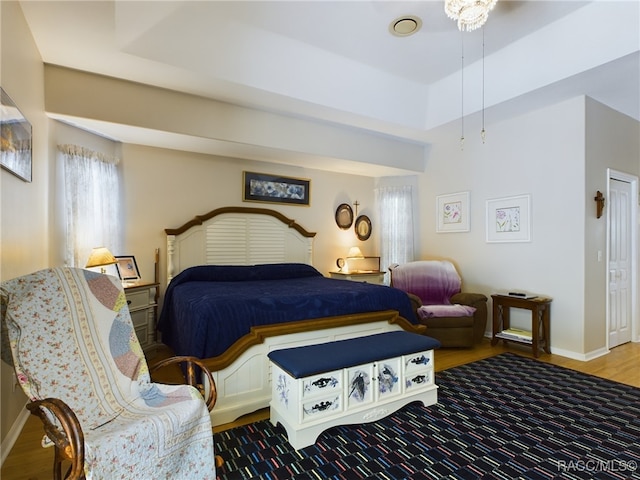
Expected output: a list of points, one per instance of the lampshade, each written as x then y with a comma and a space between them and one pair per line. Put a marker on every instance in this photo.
99, 257
355, 252
470, 14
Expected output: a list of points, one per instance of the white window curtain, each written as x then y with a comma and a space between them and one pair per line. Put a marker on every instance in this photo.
395, 214
92, 203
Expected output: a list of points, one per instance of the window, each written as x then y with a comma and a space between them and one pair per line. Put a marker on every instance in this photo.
92, 206
395, 211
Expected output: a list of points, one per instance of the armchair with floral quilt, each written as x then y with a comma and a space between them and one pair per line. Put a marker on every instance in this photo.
69, 336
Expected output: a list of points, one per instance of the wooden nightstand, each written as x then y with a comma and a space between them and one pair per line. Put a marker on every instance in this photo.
142, 300
367, 277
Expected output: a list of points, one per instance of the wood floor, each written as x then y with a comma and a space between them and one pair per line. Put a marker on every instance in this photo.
28, 461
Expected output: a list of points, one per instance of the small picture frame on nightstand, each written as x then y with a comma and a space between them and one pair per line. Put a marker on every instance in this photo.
127, 268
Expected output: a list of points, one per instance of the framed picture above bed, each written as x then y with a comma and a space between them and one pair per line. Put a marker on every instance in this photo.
262, 187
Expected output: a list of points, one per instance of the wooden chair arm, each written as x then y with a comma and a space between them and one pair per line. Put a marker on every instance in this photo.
68, 438
192, 364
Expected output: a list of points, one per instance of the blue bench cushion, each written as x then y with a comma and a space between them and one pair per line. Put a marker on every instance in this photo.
300, 362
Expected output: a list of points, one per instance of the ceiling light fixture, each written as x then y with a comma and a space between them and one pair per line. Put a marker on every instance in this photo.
470, 14
405, 26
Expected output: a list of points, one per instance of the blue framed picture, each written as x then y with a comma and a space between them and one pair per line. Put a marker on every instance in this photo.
127, 268
261, 187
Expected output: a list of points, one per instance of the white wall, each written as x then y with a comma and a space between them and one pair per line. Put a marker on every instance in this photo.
24, 242
71, 94
559, 155
24, 205
166, 188
540, 153
612, 142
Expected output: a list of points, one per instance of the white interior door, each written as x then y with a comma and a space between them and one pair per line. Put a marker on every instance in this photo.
620, 295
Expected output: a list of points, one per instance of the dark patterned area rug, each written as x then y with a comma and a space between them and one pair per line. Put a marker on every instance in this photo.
504, 417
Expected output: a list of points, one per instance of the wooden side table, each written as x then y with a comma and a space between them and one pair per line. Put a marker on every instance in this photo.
540, 318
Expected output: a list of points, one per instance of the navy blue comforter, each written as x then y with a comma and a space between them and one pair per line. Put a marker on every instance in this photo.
207, 308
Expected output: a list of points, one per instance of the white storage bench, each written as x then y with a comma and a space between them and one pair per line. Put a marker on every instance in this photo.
359, 380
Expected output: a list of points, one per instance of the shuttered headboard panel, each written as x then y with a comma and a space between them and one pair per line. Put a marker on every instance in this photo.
237, 236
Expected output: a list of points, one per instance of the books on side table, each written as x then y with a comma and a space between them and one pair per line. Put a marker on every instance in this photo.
516, 334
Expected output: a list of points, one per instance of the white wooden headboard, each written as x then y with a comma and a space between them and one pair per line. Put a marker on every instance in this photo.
237, 236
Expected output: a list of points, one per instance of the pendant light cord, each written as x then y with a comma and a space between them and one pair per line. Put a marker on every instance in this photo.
482, 132
462, 90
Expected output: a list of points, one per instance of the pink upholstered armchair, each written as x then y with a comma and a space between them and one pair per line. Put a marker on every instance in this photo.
456, 319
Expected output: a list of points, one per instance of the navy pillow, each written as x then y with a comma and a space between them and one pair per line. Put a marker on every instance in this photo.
241, 273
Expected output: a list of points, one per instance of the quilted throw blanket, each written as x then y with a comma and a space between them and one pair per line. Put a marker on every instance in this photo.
434, 281
71, 337
207, 308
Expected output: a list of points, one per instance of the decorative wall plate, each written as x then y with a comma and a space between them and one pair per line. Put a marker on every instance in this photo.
363, 227
344, 216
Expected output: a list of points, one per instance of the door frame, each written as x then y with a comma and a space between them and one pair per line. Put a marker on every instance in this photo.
635, 220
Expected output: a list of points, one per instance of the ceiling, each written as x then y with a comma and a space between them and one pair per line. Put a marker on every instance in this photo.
336, 62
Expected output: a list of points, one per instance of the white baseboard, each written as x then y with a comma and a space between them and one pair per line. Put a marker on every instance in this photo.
12, 436
584, 357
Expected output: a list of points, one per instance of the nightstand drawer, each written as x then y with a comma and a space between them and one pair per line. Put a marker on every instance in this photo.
142, 332
139, 299
140, 318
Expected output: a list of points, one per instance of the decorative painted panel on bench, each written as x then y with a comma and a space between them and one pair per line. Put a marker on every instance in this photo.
360, 385
331, 381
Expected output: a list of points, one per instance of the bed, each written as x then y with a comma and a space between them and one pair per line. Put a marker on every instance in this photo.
241, 284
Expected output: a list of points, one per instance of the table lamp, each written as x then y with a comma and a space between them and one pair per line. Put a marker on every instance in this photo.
354, 254
100, 257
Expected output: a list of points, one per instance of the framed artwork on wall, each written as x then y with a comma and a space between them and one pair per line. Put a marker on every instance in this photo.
363, 227
15, 139
261, 187
344, 216
509, 219
127, 268
452, 212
